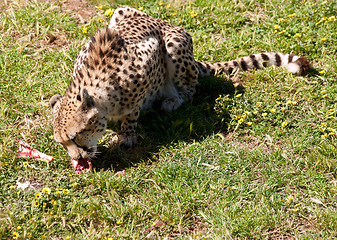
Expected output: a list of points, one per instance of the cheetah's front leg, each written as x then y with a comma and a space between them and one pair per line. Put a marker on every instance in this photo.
127, 136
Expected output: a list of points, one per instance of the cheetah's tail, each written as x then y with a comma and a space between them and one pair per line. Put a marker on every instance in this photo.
293, 64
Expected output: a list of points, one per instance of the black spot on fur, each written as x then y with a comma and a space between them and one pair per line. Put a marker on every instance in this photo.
243, 65
264, 57
278, 60
256, 64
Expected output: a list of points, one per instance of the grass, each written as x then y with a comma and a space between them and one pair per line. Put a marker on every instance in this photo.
252, 156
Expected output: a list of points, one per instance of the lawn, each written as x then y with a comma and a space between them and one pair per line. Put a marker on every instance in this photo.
251, 156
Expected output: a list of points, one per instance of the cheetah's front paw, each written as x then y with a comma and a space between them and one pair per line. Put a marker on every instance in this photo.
171, 104
127, 139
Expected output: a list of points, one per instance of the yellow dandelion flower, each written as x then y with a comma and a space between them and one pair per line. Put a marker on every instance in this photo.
264, 114
283, 31
325, 2
276, 27
218, 98
237, 117
51, 137
323, 39
175, 13
18, 228
85, 30
36, 204
12, 187
289, 103
43, 236
258, 104
46, 190
325, 96
74, 185
281, 19
292, 15
58, 192
284, 123
324, 136
168, 6
283, 109
160, 3
180, 21
297, 35
294, 103
235, 85
332, 18
109, 12
140, 8
227, 99
323, 91
44, 204
240, 121
321, 72
238, 95
255, 113
99, 7
15, 235
119, 222
52, 201
66, 191
272, 110
193, 14
249, 123
38, 195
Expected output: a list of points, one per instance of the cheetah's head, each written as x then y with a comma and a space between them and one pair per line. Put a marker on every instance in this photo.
77, 124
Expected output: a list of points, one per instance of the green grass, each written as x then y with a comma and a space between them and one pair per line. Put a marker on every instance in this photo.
250, 161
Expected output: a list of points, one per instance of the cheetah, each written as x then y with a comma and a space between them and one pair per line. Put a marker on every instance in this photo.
124, 68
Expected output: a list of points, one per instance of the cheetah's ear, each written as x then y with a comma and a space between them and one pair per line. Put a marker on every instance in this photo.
54, 99
86, 99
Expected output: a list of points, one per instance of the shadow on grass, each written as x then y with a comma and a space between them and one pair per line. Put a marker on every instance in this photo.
194, 120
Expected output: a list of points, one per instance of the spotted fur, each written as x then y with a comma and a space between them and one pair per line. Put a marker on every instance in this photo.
126, 67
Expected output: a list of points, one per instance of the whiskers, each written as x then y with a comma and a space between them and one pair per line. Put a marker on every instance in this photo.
93, 153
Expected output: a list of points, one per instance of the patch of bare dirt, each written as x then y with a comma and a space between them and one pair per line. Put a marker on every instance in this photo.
247, 142
198, 227
81, 10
